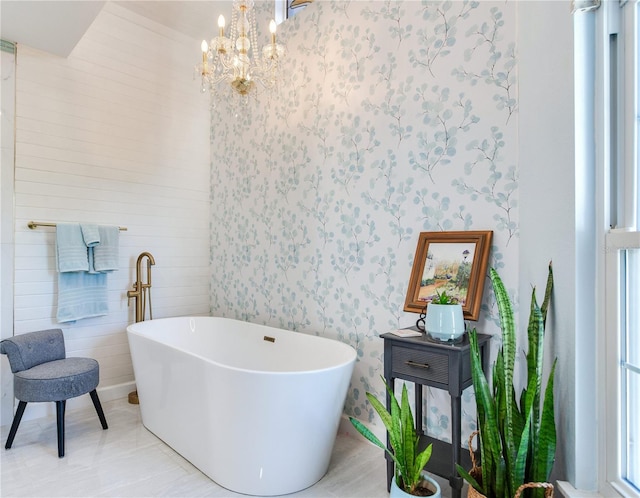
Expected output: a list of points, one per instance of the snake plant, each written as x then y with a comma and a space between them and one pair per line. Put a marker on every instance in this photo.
517, 439
409, 461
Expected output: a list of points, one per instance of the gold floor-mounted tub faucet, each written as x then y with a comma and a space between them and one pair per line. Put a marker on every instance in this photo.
142, 290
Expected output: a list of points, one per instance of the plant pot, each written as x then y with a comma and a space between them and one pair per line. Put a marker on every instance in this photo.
548, 488
476, 473
444, 322
432, 484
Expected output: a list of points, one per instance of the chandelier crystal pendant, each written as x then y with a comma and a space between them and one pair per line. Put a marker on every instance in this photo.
235, 60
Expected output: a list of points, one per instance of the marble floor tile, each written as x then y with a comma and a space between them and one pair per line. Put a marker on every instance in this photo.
129, 461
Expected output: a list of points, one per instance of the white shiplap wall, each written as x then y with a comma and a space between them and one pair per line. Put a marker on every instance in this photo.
7, 125
117, 133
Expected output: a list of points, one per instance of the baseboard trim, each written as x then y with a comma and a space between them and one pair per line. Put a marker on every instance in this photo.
568, 491
116, 391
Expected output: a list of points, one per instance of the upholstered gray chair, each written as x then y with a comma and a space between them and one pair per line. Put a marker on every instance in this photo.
43, 373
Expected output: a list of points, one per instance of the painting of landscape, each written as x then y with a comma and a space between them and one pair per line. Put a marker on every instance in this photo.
447, 269
454, 263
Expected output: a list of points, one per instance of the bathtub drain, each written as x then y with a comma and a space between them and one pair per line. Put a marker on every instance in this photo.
270, 339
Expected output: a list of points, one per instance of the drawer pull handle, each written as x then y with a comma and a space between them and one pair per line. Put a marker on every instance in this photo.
419, 365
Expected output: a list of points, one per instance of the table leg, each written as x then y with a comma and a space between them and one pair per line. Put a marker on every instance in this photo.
390, 464
418, 399
455, 480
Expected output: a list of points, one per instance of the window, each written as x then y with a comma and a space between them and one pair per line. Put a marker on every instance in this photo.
285, 9
630, 365
623, 361
622, 241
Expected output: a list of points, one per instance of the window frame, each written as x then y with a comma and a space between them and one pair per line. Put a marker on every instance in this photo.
617, 241
618, 166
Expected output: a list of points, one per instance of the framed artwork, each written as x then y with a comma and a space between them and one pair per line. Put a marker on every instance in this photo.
451, 262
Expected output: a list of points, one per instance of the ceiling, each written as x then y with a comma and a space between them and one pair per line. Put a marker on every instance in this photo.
57, 26
196, 18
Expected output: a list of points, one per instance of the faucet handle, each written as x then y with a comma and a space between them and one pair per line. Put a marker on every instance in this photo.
131, 294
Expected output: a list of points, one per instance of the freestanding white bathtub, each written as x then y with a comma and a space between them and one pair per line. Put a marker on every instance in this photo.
255, 408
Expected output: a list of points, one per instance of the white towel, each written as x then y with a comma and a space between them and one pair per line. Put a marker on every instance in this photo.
105, 254
81, 295
71, 250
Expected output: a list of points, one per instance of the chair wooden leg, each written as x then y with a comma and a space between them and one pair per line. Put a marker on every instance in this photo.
60, 408
98, 407
16, 422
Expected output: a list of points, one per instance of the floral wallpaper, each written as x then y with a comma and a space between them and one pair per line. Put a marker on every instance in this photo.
390, 118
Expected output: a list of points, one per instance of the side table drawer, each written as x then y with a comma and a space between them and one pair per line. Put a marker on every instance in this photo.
421, 364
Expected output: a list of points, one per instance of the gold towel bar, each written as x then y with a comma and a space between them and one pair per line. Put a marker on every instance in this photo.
34, 224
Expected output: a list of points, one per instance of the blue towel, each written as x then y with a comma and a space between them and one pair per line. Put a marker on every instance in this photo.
81, 295
90, 256
90, 234
105, 254
91, 237
71, 250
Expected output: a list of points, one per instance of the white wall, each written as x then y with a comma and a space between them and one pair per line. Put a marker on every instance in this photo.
117, 133
557, 199
7, 95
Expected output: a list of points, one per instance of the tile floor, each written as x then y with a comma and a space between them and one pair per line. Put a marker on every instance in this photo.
128, 461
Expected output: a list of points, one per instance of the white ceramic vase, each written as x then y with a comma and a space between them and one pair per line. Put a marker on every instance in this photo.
444, 322
396, 492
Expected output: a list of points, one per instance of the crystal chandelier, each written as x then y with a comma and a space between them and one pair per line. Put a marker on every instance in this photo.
236, 60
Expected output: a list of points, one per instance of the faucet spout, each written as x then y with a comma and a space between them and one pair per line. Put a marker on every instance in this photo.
150, 261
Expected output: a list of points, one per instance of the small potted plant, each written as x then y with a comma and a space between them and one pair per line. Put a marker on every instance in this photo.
410, 477
444, 320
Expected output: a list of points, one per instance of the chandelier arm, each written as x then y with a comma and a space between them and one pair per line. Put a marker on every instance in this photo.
226, 61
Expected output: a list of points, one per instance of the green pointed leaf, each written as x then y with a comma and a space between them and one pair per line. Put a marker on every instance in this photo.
491, 447
386, 418
362, 429
393, 431
469, 478
535, 355
547, 295
408, 436
546, 448
520, 466
501, 478
507, 323
421, 460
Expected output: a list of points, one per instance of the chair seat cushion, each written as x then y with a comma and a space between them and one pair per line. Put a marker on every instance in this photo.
57, 380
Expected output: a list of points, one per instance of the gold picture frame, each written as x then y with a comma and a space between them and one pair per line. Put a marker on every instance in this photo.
455, 262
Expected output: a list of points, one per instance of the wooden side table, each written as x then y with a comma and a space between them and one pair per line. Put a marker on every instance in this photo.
426, 362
